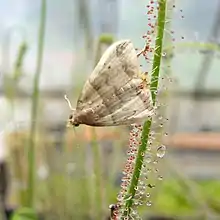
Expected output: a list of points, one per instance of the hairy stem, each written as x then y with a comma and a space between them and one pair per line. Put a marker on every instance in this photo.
147, 124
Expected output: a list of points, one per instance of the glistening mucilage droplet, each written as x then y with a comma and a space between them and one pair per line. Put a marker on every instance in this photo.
148, 158
148, 203
161, 150
160, 177
148, 195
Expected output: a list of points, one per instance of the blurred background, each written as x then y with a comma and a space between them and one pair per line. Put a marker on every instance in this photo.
74, 179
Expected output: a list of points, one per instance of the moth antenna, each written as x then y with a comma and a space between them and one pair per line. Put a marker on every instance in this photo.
68, 101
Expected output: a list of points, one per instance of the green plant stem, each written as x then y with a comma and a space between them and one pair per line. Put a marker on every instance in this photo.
35, 99
103, 40
147, 124
98, 175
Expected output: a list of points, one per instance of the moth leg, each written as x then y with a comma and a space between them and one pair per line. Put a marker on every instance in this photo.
143, 50
145, 79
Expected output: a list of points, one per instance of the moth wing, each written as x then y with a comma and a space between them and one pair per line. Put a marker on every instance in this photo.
112, 95
134, 104
137, 108
117, 67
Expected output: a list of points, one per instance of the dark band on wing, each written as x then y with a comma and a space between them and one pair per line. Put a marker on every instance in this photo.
121, 48
145, 97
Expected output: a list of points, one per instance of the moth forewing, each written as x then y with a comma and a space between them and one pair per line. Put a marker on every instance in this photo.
114, 93
117, 66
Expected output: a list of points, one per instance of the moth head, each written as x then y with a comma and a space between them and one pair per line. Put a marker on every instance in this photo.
72, 119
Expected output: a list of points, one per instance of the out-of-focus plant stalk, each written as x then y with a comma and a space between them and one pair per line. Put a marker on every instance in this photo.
10, 90
17, 74
99, 195
35, 99
147, 125
11, 82
18, 71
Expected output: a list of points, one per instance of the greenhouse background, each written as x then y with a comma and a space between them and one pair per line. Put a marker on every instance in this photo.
65, 168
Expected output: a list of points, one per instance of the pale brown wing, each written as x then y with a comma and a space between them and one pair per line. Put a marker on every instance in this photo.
135, 106
117, 67
112, 94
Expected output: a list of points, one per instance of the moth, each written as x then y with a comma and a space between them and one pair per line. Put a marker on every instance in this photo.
115, 93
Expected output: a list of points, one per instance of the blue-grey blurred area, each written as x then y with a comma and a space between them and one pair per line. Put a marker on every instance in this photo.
65, 33
65, 159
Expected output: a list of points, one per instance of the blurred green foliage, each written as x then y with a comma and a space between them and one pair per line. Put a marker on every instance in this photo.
25, 214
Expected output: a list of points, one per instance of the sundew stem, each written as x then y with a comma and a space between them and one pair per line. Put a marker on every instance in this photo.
147, 125
35, 99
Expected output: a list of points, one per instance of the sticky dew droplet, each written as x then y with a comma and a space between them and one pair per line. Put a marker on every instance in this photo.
161, 150
160, 118
149, 170
160, 177
164, 54
156, 170
155, 162
148, 158
151, 186
134, 212
136, 203
149, 203
141, 183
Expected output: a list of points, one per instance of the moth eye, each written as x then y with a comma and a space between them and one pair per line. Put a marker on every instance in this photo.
71, 117
109, 67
